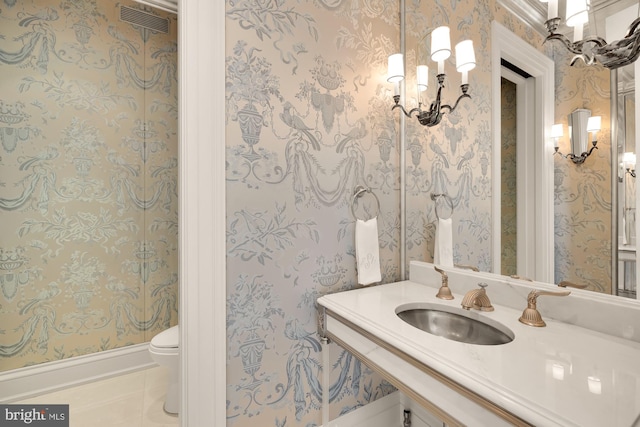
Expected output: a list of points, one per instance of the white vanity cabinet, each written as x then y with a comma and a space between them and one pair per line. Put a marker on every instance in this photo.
582, 369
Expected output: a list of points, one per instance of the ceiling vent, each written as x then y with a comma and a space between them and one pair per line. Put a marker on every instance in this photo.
144, 19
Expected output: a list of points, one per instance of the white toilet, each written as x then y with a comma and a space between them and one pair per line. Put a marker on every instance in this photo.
164, 351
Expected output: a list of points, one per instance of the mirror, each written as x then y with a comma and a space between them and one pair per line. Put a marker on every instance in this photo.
456, 158
587, 202
626, 214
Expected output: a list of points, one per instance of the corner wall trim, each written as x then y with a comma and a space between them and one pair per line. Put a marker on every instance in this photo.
31, 381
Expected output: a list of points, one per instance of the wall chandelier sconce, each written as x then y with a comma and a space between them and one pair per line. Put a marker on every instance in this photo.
629, 162
581, 123
440, 51
592, 49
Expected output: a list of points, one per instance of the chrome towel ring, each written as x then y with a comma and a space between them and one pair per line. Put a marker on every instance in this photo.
359, 192
436, 198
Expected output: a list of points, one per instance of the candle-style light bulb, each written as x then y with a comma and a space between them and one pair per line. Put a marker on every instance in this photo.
577, 16
552, 12
440, 46
629, 160
594, 124
556, 133
422, 73
395, 68
465, 59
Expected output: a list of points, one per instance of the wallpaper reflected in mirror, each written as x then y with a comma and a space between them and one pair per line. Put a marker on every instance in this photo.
627, 195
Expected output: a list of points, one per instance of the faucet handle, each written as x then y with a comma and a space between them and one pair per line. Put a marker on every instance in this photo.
531, 316
566, 283
467, 267
444, 292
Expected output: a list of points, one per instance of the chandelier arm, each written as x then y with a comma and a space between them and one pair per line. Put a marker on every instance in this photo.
576, 47
598, 41
450, 108
613, 55
577, 159
409, 113
620, 53
632, 28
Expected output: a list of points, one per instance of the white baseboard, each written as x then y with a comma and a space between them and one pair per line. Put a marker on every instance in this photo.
31, 381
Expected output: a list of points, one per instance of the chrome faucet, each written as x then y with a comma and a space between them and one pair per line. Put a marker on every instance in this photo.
531, 316
478, 299
444, 292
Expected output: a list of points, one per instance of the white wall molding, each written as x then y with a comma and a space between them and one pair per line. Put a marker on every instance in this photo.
201, 216
507, 45
31, 381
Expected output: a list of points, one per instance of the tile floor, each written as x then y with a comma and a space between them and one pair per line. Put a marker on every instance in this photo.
131, 400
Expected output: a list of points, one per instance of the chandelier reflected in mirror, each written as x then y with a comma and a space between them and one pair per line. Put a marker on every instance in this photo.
440, 51
592, 49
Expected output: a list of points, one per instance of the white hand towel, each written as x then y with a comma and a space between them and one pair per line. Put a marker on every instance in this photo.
367, 252
443, 249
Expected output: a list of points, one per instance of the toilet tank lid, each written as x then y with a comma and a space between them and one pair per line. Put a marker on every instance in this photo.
166, 338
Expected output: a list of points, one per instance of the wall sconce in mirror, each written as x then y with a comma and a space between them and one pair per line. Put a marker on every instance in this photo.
581, 123
594, 384
440, 51
629, 162
592, 49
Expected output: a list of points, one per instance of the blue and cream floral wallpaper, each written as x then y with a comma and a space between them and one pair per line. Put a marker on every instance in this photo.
88, 197
88, 179
582, 193
308, 120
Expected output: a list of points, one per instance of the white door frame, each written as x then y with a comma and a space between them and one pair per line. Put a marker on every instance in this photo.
202, 312
525, 177
505, 44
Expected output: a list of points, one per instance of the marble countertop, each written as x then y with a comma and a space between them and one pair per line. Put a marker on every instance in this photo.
560, 374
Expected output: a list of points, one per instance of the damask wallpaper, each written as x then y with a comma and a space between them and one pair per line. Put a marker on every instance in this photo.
454, 158
88, 185
88, 181
582, 193
308, 119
